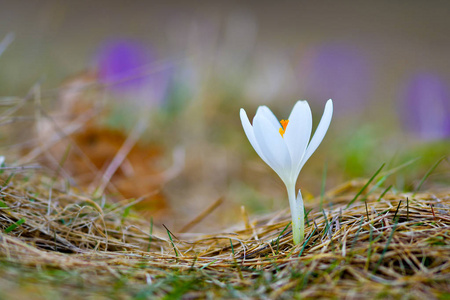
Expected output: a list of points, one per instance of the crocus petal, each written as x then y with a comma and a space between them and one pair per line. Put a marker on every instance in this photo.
268, 114
272, 146
248, 129
298, 133
320, 132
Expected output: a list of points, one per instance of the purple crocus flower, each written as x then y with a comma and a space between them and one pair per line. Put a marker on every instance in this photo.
132, 71
425, 106
339, 72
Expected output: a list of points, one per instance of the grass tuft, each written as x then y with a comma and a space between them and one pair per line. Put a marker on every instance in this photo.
80, 249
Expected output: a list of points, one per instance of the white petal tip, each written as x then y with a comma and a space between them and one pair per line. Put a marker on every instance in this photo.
243, 114
328, 107
302, 102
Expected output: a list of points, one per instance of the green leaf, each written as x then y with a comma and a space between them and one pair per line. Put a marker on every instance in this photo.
15, 225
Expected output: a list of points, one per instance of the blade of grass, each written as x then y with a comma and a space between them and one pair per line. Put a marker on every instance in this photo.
171, 240
9, 178
385, 248
15, 225
232, 248
170, 231
3, 204
366, 185
385, 175
367, 211
306, 215
306, 242
357, 235
208, 264
151, 234
428, 174
432, 211
384, 193
326, 222
281, 233
396, 169
407, 209
396, 211
194, 261
238, 267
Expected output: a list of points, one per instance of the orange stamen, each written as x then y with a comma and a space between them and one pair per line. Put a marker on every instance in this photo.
284, 124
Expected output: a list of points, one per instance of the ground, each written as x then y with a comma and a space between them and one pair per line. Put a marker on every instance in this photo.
382, 245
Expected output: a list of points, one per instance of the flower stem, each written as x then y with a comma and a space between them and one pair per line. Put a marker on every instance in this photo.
298, 214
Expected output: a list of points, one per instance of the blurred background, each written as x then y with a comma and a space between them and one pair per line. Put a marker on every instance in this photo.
144, 97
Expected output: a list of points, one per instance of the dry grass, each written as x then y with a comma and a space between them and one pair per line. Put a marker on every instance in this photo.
56, 243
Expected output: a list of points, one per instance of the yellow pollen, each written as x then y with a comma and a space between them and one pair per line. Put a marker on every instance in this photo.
284, 124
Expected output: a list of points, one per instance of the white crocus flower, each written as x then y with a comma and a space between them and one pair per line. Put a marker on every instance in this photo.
286, 146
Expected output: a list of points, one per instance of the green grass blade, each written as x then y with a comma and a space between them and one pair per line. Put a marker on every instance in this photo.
385, 248
396, 211
151, 234
171, 241
396, 169
428, 174
3, 204
306, 215
366, 185
326, 222
208, 264
357, 235
306, 242
232, 248
384, 193
278, 239
15, 225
